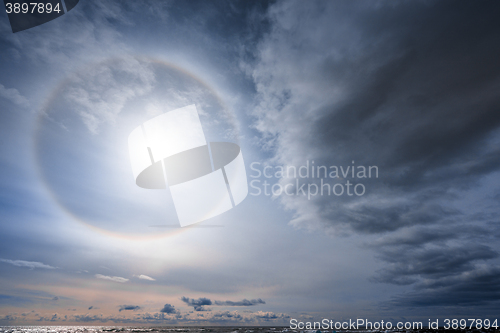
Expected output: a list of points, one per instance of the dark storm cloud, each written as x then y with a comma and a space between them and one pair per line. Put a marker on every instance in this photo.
419, 103
167, 308
411, 88
430, 263
197, 304
243, 302
369, 219
129, 307
422, 235
480, 287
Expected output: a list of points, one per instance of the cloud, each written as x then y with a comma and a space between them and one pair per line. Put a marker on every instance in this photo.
29, 264
366, 83
409, 265
172, 317
54, 318
369, 101
158, 317
129, 307
8, 318
246, 317
268, 316
14, 96
472, 288
244, 302
82, 271
167, 308
227, 315
145, 277
197, 304
99, 94
87, 318
112, 278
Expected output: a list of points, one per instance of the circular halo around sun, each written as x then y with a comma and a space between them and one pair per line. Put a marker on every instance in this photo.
81, 145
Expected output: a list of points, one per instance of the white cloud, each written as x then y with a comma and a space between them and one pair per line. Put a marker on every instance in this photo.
111, 278
294, 85
99, 94
14, 96
270, 315
29, 264
145, 277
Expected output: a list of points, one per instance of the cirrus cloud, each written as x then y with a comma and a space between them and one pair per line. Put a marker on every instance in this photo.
112, 278
29, 264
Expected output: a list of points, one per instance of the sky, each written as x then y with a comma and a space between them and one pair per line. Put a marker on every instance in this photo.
370, 132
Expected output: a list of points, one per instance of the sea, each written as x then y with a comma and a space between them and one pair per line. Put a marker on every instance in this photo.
125, 329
